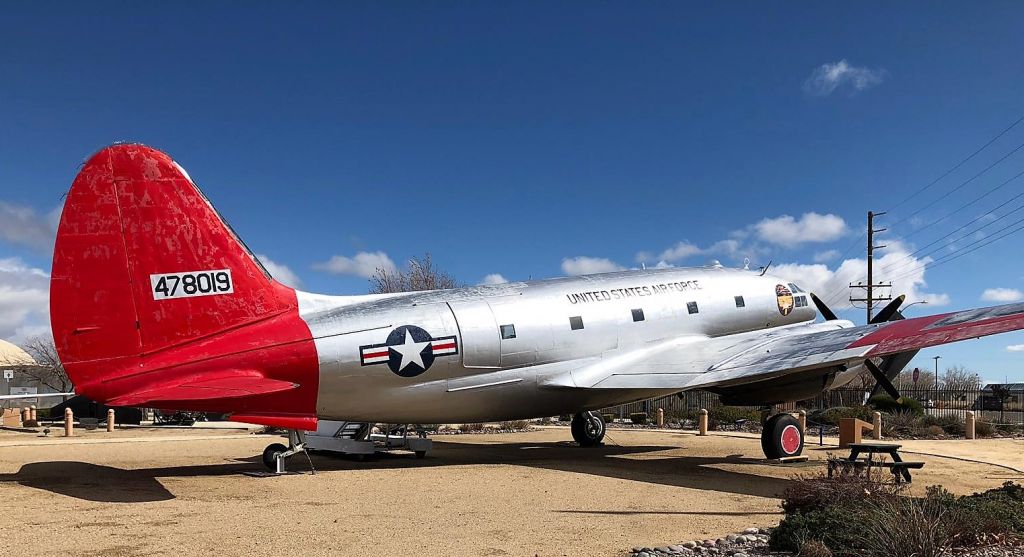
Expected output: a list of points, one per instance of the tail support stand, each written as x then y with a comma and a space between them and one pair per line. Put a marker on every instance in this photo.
296, 445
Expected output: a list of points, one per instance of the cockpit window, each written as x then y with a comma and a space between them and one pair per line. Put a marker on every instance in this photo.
796, 289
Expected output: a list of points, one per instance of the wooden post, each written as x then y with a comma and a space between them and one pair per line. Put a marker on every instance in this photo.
876, 427
69, 425
110, 420
801, 418
32, 413
703, 422
661, 417
969, 425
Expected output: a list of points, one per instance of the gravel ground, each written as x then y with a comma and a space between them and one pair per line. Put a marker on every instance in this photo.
139, 492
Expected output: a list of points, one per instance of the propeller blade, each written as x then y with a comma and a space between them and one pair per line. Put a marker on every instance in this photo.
823, 309
882, 379
889, 311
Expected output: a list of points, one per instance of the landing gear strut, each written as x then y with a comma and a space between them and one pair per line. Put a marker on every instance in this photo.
275, 455
588, 429
781, 437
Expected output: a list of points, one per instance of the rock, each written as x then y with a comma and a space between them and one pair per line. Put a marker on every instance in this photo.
708, 543
739, 554
689, 545
732, 537
714, 550
751, 531
663, 549
643, 554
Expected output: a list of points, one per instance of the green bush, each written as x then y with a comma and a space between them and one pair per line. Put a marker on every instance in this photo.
949, 424
885, 403
995, 511
902, 423
839, 527
833, 415
731, 414
638, 417
983, 429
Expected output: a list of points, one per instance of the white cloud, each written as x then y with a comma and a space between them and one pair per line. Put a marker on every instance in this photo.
583, 265
1002, 295
494, 278
827, 255
22, 226
1015, 348
363, 264
24, 300
680, 251
826, 78
832, 284
281, 273
811, 227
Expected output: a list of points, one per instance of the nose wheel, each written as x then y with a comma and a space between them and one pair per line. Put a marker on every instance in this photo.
781, 437
588, 429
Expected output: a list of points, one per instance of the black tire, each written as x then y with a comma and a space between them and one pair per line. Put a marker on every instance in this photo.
421, 454
588, 429
782, 437
270, 455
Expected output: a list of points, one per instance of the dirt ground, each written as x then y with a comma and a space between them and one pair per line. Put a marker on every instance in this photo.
183, 492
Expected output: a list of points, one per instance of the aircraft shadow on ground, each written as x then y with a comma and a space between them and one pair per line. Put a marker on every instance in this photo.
92, 482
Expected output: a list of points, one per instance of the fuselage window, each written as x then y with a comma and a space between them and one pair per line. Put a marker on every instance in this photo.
800, 301
576, 323
692, 307
739, 301
508, 331
638, 314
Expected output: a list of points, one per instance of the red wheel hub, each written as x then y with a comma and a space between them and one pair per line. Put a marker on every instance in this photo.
790, 439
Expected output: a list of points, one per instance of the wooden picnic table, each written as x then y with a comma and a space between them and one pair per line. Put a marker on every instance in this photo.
900, 468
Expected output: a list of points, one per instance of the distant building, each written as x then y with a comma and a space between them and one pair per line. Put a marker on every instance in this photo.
15, 362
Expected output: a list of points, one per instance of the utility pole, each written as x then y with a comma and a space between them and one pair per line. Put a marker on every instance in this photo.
870, 286
936, 358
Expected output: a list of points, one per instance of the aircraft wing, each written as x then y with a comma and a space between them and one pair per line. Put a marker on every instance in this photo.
698, 362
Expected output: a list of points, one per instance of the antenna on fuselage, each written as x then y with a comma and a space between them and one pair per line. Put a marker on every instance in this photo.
765, 268
746, 263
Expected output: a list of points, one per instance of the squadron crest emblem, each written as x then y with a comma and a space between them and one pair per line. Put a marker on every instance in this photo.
784, 297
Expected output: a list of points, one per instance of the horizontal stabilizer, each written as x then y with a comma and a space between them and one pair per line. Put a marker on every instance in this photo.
229, 384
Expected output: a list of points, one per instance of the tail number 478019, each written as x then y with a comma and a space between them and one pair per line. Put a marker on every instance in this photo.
188, 285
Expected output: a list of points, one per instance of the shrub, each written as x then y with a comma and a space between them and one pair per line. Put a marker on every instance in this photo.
885, 403
909, 527
638, 417
839, 527
901, 423
934, 431
471, 428
983, 429
814, 548
608, 418
514, 425
949, 424
993, 512
833, 415
730, 415
807, 493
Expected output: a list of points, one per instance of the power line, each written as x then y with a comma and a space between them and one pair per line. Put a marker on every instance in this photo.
957, 165
969, 203
962, 251
959, 187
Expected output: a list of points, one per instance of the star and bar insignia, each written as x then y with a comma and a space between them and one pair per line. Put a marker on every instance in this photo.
408, 351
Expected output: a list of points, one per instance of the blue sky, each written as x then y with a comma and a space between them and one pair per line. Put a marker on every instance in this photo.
537, 139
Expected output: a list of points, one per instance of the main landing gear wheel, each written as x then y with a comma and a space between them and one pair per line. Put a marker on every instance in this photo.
588, 429
276, 454
781, 437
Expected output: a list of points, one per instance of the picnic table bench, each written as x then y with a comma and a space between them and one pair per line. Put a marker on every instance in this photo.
900, 468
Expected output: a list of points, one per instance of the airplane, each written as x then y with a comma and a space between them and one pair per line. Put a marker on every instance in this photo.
155, 301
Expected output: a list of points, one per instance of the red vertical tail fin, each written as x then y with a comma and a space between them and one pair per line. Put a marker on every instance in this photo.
144, 266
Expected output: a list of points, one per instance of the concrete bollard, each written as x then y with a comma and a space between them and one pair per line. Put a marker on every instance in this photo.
801, 418
969, 425
32, 413
110, 420
661, 417
876, 426
24, 415
703, 422
69, 424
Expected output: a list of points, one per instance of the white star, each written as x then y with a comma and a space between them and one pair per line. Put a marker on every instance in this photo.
410, 351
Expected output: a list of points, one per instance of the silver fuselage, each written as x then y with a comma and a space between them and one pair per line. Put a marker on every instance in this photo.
494, 378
